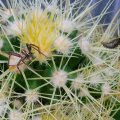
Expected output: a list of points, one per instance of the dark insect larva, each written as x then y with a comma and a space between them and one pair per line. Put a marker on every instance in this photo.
113, 44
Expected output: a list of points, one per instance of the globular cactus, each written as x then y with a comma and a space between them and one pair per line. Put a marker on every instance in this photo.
52, 62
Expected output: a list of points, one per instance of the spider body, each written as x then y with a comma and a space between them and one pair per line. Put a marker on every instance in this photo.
26, 54
113, 44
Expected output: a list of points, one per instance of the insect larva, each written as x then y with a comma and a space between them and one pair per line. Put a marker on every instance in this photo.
113, 44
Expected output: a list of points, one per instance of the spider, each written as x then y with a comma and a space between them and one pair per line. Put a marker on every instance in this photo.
26, 54
113, 44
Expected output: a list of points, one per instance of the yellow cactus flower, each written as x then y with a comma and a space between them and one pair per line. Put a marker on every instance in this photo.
40, 29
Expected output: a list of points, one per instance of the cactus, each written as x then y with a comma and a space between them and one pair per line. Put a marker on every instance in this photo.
53, 64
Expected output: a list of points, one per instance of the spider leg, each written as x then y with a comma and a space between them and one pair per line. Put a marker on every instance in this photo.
19, 64
32, 45
14, 54
23, 52
37, 48
18, 68
21, 60
28, 47
40, 52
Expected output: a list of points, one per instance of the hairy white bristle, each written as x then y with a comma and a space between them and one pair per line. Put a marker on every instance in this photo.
3, 98
53, 8
83, 92
37, 118
97, 60
84, 45
17, 103
31, 96
78, 82
106, 88
59, 78
66, 25
95, 80
15, 115
15, 27
2, 108
63, 44
5, 14
109, 72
